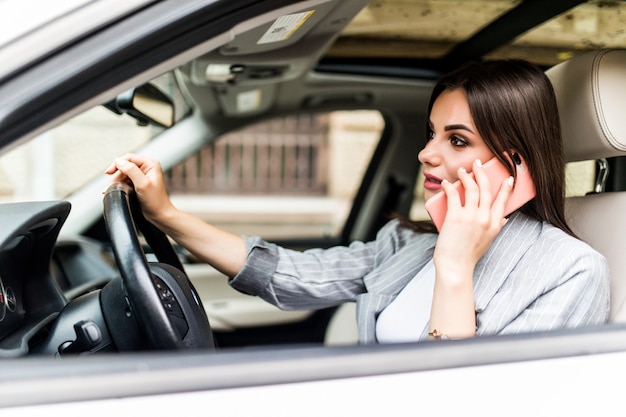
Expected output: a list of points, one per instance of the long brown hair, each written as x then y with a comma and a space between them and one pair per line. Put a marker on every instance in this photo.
513, 106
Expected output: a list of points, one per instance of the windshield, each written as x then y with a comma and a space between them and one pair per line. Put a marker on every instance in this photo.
55, 164
58, 162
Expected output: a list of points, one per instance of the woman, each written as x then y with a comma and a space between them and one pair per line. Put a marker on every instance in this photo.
481, 274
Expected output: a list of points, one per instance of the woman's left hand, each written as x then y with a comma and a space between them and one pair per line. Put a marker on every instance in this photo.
467, 232
469, 229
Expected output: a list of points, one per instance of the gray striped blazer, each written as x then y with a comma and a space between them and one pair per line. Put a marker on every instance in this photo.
534, 277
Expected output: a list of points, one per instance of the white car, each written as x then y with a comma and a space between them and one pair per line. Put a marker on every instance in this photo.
299, 121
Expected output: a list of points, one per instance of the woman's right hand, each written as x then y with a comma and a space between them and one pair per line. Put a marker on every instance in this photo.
146, 176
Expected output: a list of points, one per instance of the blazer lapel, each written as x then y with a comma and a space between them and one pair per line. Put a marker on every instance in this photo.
386, 281
508, 247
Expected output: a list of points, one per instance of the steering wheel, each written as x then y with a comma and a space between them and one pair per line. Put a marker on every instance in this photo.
163, 300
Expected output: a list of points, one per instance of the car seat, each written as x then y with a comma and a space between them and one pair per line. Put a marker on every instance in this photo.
591, 95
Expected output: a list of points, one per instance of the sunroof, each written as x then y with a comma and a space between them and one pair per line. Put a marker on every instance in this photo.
429, 29
592, 25
416, 28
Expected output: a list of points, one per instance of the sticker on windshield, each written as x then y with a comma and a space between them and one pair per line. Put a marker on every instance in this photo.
248, 101
284, 27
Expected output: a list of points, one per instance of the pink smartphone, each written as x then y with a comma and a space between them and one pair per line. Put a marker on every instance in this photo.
523, 191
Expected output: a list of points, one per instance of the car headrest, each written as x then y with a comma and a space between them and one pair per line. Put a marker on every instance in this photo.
591, 95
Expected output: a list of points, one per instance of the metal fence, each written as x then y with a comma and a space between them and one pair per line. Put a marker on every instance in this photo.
283, 156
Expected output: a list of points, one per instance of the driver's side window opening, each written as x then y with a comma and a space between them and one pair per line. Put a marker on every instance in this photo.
287, 177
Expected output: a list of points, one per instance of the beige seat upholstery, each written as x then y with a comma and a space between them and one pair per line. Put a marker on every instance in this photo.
342, 329
591, 94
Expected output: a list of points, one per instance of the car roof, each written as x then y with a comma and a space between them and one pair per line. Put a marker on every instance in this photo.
31, 28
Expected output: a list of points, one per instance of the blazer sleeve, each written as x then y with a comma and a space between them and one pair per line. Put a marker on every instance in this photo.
315, 278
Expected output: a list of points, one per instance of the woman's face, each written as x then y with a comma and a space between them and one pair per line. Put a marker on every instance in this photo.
454, 141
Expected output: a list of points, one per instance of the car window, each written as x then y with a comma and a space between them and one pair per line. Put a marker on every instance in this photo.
288, 177
67, 150
580, 178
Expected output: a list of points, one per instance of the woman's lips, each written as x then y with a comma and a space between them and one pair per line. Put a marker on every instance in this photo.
431, 182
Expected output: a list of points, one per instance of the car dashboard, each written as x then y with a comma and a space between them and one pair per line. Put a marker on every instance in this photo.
30, 295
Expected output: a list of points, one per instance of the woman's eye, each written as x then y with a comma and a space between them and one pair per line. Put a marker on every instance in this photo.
430, 134
457, 141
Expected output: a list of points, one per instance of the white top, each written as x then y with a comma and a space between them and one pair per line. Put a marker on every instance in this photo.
408, 314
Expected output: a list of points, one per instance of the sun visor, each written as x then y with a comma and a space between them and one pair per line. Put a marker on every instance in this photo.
297, 31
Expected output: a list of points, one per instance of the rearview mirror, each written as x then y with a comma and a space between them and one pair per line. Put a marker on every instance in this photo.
147, 104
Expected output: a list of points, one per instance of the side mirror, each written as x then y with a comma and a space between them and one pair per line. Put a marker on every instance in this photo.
147, 104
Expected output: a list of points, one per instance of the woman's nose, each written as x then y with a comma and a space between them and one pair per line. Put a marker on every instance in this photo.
429, 155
